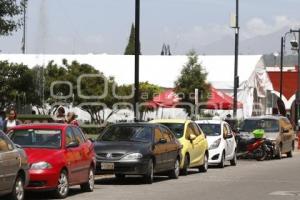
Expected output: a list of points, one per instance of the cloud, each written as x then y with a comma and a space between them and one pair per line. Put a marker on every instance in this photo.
258, 26
94, 39
203, 35
182, 40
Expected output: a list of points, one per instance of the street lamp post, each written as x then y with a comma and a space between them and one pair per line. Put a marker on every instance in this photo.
24, 4
137, 59
281, 65
236, 57
298, 80
282, 49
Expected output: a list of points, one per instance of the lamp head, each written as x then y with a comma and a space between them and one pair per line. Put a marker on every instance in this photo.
294, 44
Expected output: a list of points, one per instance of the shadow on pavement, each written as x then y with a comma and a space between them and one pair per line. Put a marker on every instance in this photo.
129, 180
48, 194
217, 167
136, 180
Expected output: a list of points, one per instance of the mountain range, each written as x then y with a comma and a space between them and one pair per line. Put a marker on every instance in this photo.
263, 44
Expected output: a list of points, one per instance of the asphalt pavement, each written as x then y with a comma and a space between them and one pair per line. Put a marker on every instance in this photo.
249, 180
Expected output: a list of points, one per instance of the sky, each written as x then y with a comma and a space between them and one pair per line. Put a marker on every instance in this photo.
103, 26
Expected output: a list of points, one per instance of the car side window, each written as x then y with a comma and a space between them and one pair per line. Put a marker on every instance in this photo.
196, 129
83, 134
189, 131
5, 144
171, 134
225, 131
69, 136
78, 135
228, 129
166, 134
157, 134
285, 123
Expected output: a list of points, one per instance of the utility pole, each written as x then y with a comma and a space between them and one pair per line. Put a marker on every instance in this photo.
24, 4
236, 59
196, 103
281, 65
137, 60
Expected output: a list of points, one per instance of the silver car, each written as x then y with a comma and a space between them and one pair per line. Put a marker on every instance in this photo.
13, 169
278, 129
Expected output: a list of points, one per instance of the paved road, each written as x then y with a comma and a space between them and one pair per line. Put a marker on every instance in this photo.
268, 180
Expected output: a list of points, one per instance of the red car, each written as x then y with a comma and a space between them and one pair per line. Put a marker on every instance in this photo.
59, 155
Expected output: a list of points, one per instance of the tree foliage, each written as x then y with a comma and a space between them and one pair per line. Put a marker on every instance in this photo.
192, 77
147, 92
16, 82
9, 20
51, 85
88, 85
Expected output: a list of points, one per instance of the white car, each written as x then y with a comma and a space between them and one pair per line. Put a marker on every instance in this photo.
221, 142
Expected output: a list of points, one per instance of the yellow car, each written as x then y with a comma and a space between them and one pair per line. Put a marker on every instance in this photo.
195, 148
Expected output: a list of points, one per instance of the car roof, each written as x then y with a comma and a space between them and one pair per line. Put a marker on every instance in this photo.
41, 126
210, 121
181, 121
135, 124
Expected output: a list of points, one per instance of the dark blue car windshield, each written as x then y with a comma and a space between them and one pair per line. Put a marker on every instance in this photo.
268, 125
127, 133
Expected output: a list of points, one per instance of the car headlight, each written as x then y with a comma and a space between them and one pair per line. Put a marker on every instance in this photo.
215, 144
132, 156
40, 166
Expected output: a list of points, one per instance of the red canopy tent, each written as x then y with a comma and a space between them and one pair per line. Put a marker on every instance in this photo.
220, 101
166, 99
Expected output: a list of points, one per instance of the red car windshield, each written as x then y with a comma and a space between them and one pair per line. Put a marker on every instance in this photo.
37, 138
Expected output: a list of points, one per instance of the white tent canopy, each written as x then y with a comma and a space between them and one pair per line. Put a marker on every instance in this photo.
164, 70
160, 70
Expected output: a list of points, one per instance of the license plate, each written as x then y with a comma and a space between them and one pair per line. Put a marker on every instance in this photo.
107, 166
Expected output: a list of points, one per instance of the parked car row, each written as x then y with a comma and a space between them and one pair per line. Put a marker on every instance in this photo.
54, 157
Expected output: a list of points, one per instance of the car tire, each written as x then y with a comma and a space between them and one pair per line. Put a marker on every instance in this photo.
89, 186
62, 189
186, 164
174, 174
278, 153
289, 154
18, 192
222, 163
148, 177
263, 155
204, 167
233, 162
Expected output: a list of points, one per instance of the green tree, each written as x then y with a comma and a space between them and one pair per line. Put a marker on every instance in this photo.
147, 93
17, 86
89, 86
9, 20
130, 49
46, 77
192, 76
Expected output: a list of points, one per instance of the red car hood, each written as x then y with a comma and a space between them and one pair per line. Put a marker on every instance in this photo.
39, 154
